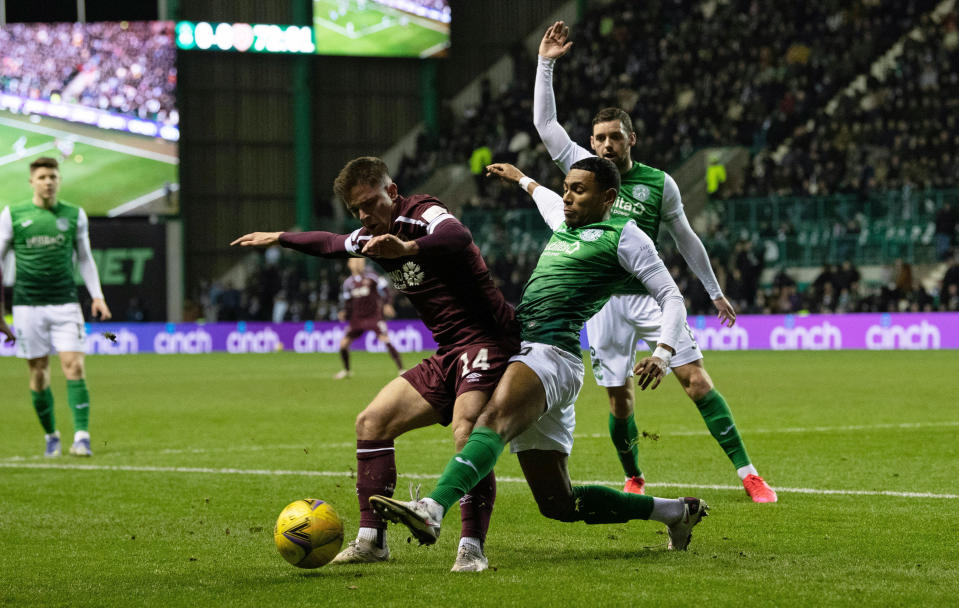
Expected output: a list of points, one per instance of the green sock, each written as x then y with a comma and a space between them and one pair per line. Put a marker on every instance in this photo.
719, 421
602, 505
625, 438
43, 404
474, 462
79, 400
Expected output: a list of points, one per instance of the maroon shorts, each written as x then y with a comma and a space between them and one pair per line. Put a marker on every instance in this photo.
355, 330
447, 375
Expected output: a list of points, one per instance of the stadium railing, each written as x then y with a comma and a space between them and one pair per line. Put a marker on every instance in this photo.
875, 229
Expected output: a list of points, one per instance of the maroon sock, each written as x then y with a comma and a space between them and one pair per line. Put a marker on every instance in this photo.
476, 508
396, 355
375, 474
345, 355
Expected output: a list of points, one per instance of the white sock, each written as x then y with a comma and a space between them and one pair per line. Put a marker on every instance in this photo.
473, 543
371, 535
667, 510
52, 435
81, 435
435, 508
746, 470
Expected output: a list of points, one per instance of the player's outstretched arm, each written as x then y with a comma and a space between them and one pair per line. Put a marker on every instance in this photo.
549, 204
257, 239
561, 148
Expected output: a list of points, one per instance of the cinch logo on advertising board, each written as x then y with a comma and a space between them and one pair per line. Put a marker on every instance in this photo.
865, 331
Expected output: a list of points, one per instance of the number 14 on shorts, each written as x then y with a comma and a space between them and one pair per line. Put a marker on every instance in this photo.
478, 363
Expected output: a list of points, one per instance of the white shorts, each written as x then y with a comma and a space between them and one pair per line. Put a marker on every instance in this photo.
47, 330
562, 376
614, 331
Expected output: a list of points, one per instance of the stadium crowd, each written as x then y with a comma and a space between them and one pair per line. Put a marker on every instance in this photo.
127, 68
776, 66
768, 87
899, 133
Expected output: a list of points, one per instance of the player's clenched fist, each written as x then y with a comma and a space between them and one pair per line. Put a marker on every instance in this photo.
389, 246
504, 170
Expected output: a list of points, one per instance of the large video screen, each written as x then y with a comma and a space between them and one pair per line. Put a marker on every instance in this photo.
382, 28
100, 98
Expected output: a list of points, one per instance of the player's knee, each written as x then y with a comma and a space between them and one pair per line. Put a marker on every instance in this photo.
73, 370
370, 426
558, 507
698, 385
461, 432
496, 419
39, 378
620, 401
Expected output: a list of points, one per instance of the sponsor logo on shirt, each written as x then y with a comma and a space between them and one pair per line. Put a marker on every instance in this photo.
560, 248
44, 240
408, 275
25, 223
625, 207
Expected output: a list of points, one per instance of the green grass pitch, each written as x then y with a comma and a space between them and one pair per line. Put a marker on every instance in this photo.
98, 176
196, 455
376, 30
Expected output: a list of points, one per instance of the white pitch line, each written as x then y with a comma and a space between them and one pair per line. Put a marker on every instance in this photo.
12, 158
806, 429
350, 474
142, 200
404, 442
99, 143
436, 48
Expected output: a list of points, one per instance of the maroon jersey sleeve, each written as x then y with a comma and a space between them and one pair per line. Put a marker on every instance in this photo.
324, 244
450, 286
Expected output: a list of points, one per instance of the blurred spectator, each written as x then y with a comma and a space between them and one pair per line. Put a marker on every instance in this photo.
945, 231
951, 279
135, 311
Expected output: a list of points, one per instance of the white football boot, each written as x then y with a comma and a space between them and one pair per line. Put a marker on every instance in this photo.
694, 510
362, 552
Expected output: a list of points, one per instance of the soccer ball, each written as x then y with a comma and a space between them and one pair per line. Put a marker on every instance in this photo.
308, 533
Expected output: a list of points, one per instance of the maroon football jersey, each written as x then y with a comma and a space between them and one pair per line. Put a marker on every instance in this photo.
363, 298
453, 292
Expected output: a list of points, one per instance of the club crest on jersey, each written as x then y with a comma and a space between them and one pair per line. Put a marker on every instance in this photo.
641, 192
408, 275
590, 235
63, 224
